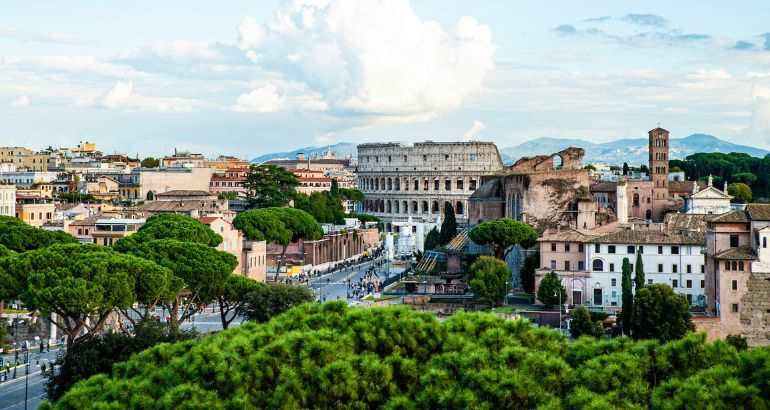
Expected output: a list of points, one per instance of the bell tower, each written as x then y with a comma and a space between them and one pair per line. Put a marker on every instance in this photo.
659, 170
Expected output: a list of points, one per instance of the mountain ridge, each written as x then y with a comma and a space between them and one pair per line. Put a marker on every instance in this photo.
632, 150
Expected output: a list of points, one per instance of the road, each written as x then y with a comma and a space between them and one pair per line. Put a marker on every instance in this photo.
12, 391
334, 285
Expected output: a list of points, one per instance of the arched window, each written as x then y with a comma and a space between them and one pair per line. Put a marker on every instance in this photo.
390, 184
425, 207
434, 207
459, 208
377, 184
414, 207
388, 207
406, 207
150, 195
648, 214
416, 185
636, 199
598, 265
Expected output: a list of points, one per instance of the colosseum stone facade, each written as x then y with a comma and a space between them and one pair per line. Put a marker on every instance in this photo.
402, 181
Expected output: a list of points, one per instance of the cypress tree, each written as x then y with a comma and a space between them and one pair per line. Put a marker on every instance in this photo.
449, 226
639, 278
627, 314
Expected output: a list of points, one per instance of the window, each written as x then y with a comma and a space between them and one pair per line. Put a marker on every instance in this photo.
674, 283
447, 185
630, 249
649, 281
611, 249
566, 247
581, 265
424, 157
460, 184
675, 250
598, 265
734, 241
581, 248
734, 265
689, 283
740, 266
727, 265
472, 185
764, 242
553, 247
675, 268
660, 250
641, 249
734, 308
435, 185
702, 283
553, 264
689, 268
566, 265
614, 282
660, 268
612, 267
735, 284
597, 248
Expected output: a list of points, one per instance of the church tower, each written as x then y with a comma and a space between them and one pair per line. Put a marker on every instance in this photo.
659, 170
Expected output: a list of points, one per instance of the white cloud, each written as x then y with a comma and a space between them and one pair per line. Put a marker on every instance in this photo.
123, 97
269, 98
474, 131
70, 64
20, 101
372, 57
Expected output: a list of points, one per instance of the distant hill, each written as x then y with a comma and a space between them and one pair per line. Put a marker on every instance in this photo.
631, 150
340, 150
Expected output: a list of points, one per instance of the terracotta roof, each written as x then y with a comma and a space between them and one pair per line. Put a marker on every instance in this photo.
682, 186
91, 220
758, 212
729, 217
690, 222
567, 235
741, 253
184, 192
181, 206
207, 220
641, 236
604, 187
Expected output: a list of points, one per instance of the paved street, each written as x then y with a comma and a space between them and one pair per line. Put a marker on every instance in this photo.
334, 286
12, 391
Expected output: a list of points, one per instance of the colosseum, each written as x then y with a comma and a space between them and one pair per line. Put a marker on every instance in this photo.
402, 181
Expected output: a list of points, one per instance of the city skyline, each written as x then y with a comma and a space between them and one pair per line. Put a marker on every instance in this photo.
257, 77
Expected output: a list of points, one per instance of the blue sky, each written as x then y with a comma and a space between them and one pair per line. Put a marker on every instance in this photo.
250, 77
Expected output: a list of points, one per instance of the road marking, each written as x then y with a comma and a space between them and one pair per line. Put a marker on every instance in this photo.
21, 403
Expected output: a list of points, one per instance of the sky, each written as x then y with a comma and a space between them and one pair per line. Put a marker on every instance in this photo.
252, 77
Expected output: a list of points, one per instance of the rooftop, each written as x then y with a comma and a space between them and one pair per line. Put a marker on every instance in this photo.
185, 193
740, 253
736, 216
653, 237
758, 212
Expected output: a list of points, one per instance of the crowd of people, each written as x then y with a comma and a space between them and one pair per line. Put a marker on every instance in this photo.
369, 283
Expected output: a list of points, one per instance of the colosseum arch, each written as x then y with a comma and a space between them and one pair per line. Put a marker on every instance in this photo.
434, 207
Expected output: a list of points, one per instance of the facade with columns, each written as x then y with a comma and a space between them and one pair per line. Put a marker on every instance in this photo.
417, 180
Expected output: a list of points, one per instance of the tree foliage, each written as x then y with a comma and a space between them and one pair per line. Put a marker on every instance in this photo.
527, 272
351, 194
323, 206
83, 284
150, 162
202, 272
638, 272
332, 356
98, 354
502, 234
732, 167
270, 186
432, 239
233, 299
551, 292
448, 225
17, 236
583, 325
661, 314
490, 280
741, 192
76, 197
268, 300
170, 226
278, 225
627, 289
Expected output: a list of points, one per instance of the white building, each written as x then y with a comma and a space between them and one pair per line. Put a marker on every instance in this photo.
7, 200
708, 200
672, 258
27, 179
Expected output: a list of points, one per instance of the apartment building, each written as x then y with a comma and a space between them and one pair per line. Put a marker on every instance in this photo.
7, 200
